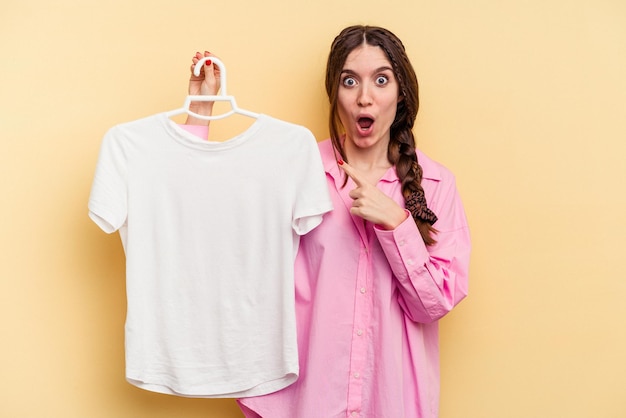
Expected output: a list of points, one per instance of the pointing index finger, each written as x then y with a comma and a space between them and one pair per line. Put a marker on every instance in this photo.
351, 172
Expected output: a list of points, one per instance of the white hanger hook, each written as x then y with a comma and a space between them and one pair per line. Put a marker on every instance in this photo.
222, 96
219, 63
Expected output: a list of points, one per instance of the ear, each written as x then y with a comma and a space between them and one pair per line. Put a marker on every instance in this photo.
400, 97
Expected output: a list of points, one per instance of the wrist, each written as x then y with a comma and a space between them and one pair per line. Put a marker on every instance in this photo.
201, 108
398, 218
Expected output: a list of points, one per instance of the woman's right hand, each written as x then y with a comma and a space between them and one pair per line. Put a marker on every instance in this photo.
207, 83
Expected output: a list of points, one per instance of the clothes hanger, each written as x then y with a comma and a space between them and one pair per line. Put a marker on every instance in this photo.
220, 97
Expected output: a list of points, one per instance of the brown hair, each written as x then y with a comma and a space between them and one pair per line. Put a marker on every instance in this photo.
401, 151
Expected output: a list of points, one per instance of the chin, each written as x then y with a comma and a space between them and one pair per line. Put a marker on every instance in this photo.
366, 141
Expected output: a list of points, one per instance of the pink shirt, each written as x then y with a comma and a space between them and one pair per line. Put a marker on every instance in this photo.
368, 302
201, 131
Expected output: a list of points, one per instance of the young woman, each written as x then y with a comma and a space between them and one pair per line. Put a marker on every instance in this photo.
387, 263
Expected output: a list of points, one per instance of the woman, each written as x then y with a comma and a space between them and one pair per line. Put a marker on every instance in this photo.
387, 263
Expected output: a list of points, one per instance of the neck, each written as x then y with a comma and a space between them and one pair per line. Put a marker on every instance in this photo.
367, 158
371, 162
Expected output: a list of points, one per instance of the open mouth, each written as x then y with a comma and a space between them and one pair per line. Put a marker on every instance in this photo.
365, 123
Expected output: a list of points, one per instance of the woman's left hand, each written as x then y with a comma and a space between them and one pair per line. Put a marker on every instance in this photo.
371, 204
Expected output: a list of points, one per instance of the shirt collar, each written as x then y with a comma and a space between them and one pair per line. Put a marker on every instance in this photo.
430, 169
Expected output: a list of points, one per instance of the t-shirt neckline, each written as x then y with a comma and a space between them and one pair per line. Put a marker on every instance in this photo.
188, 139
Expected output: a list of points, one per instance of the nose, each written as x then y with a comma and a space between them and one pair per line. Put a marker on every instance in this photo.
364, 97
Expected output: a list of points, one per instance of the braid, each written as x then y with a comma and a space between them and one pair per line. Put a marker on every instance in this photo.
401, 151
402, 155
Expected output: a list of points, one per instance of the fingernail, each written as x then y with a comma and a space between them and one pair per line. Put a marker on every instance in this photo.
208, 62
340, 162
207, 52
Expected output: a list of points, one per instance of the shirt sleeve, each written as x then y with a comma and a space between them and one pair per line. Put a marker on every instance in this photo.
431, 280
201, 131
107, 201
312, 194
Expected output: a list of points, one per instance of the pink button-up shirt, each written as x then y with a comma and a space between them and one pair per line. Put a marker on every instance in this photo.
368, 301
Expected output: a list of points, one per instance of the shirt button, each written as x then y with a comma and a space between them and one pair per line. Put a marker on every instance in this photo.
357, 375
359, 332
362, 290
354, 413
401, 243
410, 262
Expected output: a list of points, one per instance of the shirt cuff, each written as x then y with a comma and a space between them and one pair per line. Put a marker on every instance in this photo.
201, 131
405, 242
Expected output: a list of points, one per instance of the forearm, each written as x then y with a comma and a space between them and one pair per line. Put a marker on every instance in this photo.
431, 281
203, 108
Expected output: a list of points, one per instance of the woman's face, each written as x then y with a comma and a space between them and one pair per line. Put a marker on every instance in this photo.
367, 98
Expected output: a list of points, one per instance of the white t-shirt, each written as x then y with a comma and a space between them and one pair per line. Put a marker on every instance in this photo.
210, 231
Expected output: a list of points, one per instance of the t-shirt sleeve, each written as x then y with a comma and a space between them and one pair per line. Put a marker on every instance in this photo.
312, 196
107, 200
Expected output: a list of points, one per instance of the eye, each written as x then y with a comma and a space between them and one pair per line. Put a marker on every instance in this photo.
381, 80
349, 81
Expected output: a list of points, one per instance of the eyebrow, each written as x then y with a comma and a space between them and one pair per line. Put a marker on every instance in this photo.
378, 70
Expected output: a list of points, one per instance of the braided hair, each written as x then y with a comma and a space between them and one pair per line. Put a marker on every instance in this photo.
401, 151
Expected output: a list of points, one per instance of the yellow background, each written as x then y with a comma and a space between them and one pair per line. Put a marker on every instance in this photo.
524, 101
